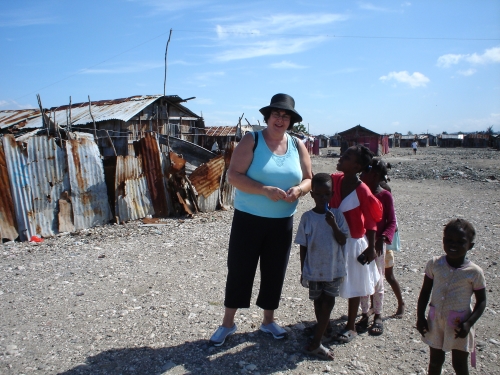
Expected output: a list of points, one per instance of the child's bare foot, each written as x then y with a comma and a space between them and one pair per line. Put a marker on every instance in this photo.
400, 312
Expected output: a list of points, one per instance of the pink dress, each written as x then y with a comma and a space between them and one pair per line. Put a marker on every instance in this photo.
362, 211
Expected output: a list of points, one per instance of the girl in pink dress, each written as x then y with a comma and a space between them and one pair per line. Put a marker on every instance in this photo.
362, 211
385, 232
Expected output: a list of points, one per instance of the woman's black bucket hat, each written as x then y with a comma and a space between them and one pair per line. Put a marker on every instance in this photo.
285, 102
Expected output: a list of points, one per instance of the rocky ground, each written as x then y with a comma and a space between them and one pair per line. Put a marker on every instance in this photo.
135, 299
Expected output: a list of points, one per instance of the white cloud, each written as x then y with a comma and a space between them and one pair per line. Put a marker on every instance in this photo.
269, 48
369, 6
447, 60
467, 72
162, 6
414, 80
123, 69
286, 65
261, 36
277, 23
12, 104
25, 17
490, 56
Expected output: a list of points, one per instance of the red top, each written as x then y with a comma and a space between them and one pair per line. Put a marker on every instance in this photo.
361, 209
386, 226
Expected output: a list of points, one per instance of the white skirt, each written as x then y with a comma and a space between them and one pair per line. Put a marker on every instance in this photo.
360, 280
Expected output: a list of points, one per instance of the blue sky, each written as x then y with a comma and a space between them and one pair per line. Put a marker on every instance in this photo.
426, 66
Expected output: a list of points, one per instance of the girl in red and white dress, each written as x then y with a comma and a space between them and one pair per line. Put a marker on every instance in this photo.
362, 211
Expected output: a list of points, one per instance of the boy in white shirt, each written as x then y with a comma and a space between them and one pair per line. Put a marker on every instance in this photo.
321, 235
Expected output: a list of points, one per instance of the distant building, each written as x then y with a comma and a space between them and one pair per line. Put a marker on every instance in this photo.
407, 140
450, 140
476, 140
360, 135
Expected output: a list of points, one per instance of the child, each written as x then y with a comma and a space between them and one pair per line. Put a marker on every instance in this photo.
362, 211
389, 267
321, 235
452, 279
385, 232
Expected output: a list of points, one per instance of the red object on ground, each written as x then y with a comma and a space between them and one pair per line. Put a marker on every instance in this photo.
36, 239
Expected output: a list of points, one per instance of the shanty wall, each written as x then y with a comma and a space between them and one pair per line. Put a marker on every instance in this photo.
7, 214
59, 187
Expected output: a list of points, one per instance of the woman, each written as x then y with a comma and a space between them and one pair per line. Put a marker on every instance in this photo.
270, 172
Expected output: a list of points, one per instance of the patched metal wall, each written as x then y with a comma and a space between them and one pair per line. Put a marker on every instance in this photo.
7, 214
89, 195
48, 175
133, 200
16, 160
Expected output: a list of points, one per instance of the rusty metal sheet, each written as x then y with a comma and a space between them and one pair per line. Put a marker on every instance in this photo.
18, 117
7, 214
206, 178
153, 169
16, 160
49, 179
221, 131
89, 195
133, 200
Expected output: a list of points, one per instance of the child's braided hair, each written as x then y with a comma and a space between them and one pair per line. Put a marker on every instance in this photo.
463, 224
364, 156
381, 168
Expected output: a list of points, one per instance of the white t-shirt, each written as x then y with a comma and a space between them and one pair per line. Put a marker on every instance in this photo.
325, 258
414, 145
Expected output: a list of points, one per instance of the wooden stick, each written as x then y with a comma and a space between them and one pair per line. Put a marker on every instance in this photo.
70, 121
91, 115
111, 142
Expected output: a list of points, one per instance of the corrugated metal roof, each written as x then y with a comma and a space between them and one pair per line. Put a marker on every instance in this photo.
102, 110
47, 170
133, 200
89, 195
452, 136
7, 213
221, 131
16, 160
12, 117
206, 178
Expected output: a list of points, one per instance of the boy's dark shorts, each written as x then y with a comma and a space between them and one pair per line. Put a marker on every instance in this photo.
330, 288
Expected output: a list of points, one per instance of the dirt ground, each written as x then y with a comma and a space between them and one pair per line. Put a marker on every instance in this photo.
135, 299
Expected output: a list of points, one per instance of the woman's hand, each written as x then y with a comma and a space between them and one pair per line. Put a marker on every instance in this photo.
274, 193
293, 194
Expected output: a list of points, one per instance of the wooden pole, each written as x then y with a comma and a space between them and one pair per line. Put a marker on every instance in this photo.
70, 121
92, 116
166, 51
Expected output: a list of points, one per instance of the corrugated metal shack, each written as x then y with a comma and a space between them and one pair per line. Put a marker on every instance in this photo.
476, 140
450, 140
62, 180
362, 136
407, 140
223, 135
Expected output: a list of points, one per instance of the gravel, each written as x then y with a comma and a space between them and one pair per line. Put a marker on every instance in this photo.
134, 299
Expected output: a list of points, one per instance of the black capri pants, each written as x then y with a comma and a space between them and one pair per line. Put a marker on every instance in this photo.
253, 238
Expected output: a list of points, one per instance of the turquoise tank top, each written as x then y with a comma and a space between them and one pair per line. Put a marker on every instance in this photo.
282, 171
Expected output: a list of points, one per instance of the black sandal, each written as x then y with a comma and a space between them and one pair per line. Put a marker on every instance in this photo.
362, 325
376, 329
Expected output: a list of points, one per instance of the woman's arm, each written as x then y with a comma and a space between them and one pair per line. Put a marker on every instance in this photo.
240, 162
304, 187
